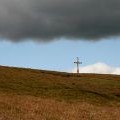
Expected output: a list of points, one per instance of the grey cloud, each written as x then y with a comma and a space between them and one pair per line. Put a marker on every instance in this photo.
49, 19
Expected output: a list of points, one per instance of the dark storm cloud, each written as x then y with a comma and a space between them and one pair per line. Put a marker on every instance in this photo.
49, 19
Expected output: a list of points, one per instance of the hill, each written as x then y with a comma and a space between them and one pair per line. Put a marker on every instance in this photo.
92, 87
50, 86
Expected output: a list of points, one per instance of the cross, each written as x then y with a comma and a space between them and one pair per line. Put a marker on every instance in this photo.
78, 62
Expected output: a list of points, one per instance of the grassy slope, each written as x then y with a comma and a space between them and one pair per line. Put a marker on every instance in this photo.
99, 89
20, 107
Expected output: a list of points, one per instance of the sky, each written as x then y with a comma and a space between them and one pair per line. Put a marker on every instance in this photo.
60, 55
50, 34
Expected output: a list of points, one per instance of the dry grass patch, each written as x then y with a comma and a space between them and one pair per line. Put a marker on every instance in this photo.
15, 107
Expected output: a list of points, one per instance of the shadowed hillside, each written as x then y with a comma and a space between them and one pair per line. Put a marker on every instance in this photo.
64, 86
37, 94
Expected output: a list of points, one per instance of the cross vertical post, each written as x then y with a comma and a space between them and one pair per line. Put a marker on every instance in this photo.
77, 63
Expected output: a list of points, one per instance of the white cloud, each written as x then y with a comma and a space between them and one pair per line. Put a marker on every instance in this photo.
101, 68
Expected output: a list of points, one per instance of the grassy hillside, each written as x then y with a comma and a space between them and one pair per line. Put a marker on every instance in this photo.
83, 87
48, 95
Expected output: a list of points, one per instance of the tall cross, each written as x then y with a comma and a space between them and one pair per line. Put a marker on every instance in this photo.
78, 62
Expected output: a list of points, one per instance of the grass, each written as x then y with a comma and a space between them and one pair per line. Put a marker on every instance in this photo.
26, 107
27, 94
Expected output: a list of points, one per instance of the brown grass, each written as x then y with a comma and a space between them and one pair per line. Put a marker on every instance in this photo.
83, 87
16, 107
27, 94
